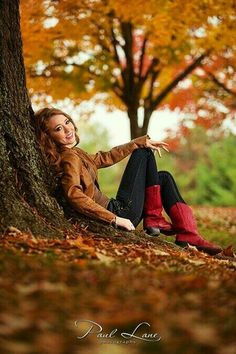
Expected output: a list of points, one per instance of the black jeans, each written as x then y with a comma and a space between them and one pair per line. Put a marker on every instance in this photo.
141, 172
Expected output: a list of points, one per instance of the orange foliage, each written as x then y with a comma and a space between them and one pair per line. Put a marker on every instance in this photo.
69, 47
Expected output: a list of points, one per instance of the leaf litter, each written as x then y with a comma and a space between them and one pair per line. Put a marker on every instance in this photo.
117, 279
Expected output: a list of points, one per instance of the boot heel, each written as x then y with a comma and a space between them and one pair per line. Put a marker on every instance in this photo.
152, 231
181, 244
168, 232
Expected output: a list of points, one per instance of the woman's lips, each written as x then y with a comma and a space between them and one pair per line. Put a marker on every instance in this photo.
69, 136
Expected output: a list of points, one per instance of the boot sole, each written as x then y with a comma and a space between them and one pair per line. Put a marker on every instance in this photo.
208, 250
152, 231
168, 233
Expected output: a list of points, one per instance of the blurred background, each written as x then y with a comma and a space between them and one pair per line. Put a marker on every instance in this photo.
122, 70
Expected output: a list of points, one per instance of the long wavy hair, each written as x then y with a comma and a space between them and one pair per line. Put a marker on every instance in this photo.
49, 147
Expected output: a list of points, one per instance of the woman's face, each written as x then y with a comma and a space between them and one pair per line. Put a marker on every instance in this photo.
61, 130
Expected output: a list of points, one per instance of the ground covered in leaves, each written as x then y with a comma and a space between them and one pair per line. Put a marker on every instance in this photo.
183, 300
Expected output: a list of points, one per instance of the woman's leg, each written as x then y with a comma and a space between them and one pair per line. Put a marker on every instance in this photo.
169, 191
143, 188
139, 193
153, 220
182, 217
130, 197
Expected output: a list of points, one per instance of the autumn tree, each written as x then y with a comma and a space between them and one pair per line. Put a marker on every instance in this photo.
128, 50
26, 201
207, 98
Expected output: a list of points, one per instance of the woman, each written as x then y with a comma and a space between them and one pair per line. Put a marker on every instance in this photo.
143, 190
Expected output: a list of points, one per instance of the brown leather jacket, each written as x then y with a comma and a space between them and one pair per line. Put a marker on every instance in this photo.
80, 181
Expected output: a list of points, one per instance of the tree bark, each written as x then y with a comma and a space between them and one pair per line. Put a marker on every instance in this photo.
26, 186
135, 130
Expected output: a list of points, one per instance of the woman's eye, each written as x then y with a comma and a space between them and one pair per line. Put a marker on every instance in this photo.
68, 121
58, 129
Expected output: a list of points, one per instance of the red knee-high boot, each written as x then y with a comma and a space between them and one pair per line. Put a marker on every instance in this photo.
153, 222
186, 229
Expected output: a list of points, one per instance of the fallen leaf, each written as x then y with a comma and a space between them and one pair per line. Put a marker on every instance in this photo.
196, 261
160, 253
229, 252
11, 230
105, 259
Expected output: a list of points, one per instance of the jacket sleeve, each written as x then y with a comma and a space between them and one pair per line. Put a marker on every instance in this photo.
118, 153
71, 183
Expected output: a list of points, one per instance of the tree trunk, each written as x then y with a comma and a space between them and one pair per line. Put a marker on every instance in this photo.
26, 199
135, 130
147, 116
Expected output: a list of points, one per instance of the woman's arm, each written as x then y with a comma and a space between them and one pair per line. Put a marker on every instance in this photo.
118, 153
71, 183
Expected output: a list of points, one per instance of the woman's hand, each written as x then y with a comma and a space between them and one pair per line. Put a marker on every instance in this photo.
157, 145
125, 223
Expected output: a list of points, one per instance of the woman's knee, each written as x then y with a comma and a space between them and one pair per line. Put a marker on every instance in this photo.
142, 152
166, 175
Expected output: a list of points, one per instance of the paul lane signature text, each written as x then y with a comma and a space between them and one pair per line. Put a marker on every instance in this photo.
89, 327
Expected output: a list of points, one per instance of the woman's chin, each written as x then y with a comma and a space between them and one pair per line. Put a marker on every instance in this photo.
70, 142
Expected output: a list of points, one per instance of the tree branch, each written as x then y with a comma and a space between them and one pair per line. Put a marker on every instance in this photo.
154, 63
219, 83
149, 96
114, 44
118, 89
175, 82
141, 60
126, 29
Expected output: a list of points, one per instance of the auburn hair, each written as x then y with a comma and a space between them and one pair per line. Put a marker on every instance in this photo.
49, 148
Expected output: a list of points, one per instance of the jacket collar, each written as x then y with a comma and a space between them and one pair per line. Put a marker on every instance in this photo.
63, 147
